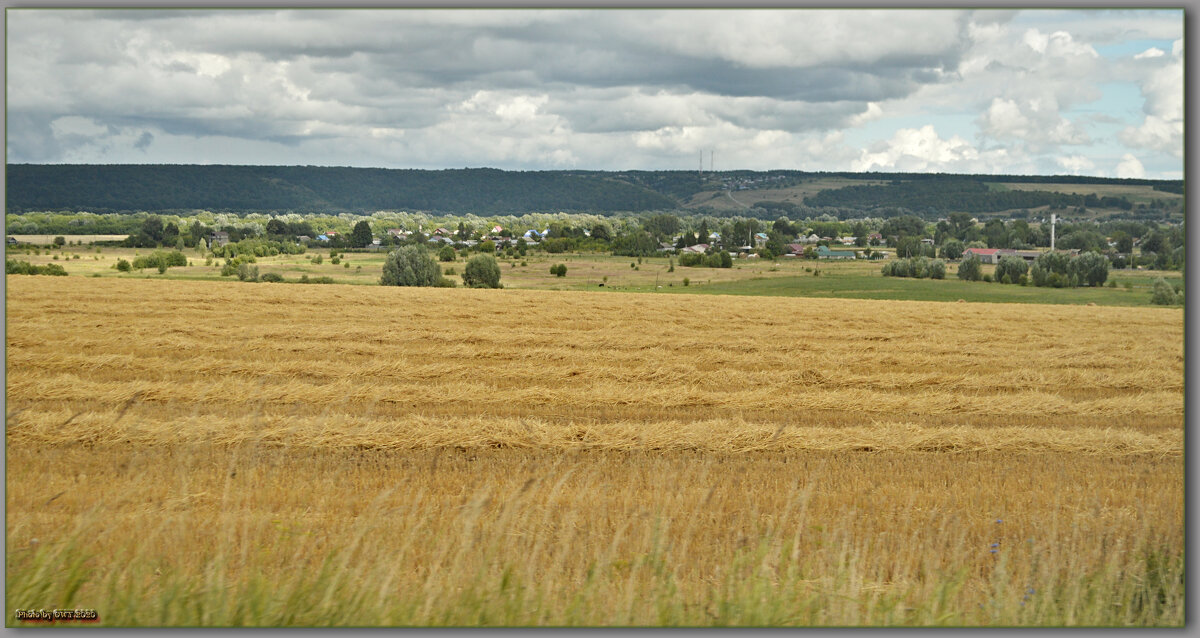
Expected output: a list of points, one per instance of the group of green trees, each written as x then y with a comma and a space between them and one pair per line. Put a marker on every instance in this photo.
415, 265
1051, 269
18, 267
712, 259
160, 259
917, 267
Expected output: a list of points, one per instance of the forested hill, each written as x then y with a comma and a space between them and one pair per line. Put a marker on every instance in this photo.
487, 191
115, 188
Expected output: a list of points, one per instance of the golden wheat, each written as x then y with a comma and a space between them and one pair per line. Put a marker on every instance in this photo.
212, 453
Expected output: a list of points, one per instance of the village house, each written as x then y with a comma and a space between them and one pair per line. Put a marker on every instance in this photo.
698, 248
985, 255
824, 252
218, 238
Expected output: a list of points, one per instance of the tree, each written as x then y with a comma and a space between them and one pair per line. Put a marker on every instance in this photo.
1050, 269
411, 265
903, 225
1123, 241
446, 253
153, 228
937, 269
361, 236
971, 269
782, 226
601, 232
482, 271
1012, 267
953, 249
1163, 294
1089, 269
559, 270
276, 228
60, 240
661, 226
1154, 242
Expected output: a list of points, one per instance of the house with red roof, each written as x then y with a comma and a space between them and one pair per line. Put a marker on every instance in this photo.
985, 255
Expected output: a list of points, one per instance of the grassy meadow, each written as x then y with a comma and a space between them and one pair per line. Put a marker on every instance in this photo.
788, 277
211, 453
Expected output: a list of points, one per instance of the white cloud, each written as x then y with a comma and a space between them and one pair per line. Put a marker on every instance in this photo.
1130, 167
1152, 52
1076, 164
1162, 88
923, 150
1033, 122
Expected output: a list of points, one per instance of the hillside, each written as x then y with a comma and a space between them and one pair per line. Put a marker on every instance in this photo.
485, 191
312, 189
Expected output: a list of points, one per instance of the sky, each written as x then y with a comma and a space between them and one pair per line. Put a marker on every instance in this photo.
1036, 92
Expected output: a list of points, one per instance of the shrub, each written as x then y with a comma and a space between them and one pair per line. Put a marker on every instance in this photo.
161, 260
482, 271
1163, 294
411, 265
1010, 268
335, 260
971, 269
123, 265
273, 277
451, 271
247, 272
987, 279
686, 281
559, 270
60, 240
14, 267
446, 253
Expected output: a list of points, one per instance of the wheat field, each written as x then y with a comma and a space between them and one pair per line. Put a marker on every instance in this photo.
212, 454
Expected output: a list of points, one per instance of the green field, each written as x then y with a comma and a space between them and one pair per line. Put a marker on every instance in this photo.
787, 277
859, 286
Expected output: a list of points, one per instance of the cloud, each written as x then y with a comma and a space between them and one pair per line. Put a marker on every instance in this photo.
1162, 87
605, 89
1076, 164
1033, 122
923, 150
1130, 167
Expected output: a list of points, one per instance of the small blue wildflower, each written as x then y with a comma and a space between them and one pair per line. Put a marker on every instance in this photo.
1030, 590
998, 521
995, 544
992, 551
